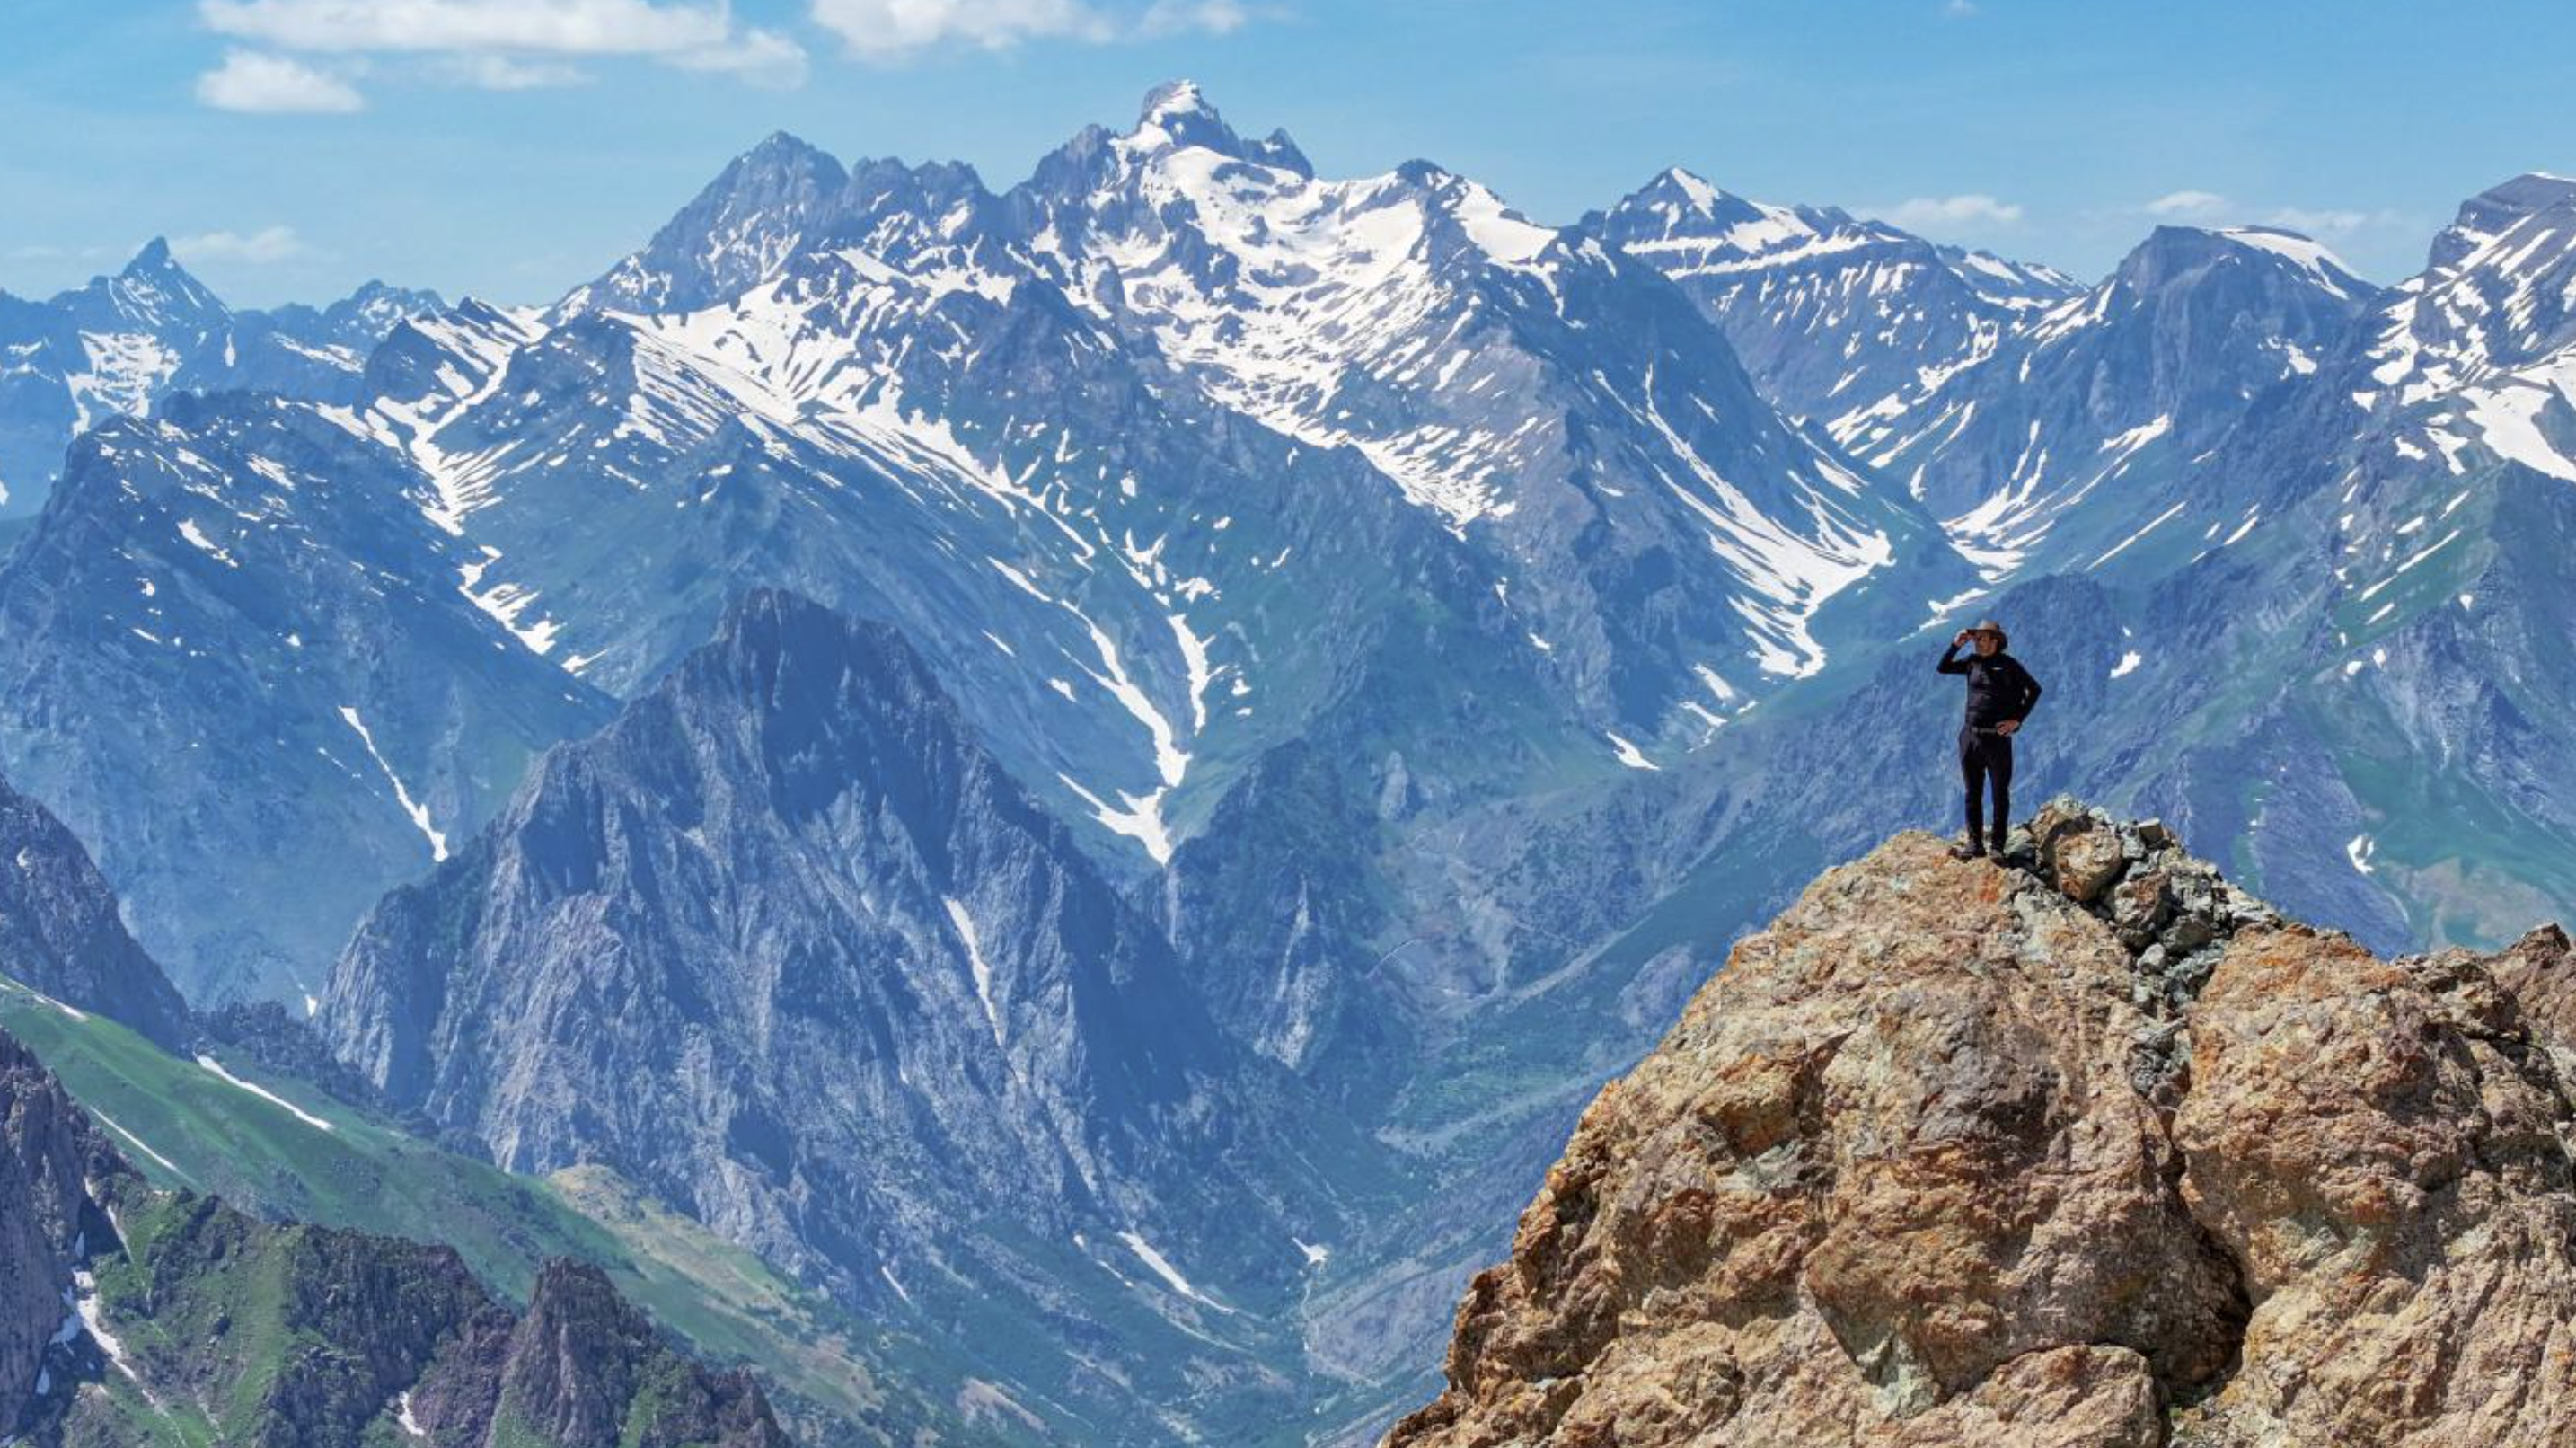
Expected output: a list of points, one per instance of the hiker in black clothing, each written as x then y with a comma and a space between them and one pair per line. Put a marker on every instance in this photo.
2000, 695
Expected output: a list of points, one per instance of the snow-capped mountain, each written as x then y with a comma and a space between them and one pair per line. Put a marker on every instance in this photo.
1402, 639
2084, 410
1173, 304
1838, 318
307, 705
1547, 398
115, 346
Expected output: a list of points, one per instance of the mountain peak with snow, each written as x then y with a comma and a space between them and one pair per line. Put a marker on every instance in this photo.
1177, 114
2171, 252
2499, 209
152, 256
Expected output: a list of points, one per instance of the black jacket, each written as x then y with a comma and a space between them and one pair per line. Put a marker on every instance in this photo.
1999, 688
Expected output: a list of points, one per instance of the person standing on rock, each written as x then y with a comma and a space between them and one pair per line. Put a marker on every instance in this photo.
2000, 696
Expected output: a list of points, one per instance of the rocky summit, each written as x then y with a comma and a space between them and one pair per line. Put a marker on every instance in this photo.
2091, 1147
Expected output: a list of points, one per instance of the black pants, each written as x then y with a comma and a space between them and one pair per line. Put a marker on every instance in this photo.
1984, 755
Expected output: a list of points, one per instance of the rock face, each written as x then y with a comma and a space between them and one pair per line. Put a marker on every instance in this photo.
60, 931
787, 946
134, 1316
46, 1150
2088, 1149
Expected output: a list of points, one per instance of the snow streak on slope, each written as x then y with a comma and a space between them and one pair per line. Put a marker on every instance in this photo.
418, 813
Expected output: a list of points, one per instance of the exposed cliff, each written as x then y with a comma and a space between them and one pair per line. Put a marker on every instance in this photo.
61, 933
2097, 1151
789, 949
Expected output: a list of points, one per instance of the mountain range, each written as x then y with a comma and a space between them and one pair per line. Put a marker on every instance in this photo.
120, 344
1099, 768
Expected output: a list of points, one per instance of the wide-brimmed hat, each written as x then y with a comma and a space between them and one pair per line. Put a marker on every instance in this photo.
1992, 627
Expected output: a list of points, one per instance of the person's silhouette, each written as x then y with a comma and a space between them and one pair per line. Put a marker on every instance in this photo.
2000, 695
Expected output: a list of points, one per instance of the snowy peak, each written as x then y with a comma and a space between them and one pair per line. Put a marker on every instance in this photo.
2175, 256
759, 211
2499, 209
2484, 340
1177, 114
1688, 226
1854, 323
154, 257
156, 293
2500, 289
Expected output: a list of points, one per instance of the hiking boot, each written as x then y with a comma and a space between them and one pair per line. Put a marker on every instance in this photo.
1969, 851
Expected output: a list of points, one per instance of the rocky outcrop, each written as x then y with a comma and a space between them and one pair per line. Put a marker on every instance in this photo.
2091, 1148
60, 932
47, 1151
129, 1315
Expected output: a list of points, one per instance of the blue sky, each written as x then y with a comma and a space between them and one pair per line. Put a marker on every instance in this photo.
511, 148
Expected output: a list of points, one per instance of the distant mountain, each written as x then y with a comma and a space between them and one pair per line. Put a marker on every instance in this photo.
309, 700
60, 932
117, 345
132, 1314
1839, 319
2047, 454
784, 945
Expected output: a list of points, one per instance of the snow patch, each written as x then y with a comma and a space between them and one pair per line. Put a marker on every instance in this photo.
299, 1113
1630, 755
419, 813
965, 925
1162, 1268
138, 1143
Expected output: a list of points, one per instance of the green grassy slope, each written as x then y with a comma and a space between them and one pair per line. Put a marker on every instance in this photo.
305, 1157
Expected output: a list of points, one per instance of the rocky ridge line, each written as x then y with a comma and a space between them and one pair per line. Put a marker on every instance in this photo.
2095, 1149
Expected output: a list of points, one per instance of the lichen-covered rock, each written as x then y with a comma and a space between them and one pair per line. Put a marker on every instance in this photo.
2084, 1153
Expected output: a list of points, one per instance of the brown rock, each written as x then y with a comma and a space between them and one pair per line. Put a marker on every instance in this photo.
2382, 1148
1892, 1180
2140, 901
2087, 862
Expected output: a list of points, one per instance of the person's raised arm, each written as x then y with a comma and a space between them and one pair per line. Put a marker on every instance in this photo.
1951, 663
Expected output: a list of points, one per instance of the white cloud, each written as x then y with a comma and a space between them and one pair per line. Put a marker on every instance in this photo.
894, 30
268, 244
1960, 10
2186, 203
1177, 17
1975, 209
889, 29
513, 44
2332, 222
758, 57
507, 72
249, 80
